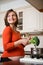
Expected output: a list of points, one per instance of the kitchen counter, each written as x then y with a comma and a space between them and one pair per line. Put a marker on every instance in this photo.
31, 60
15, 63
24, 61
32, 33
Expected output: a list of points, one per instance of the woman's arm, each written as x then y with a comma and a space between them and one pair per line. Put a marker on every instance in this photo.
7, 44
23, 41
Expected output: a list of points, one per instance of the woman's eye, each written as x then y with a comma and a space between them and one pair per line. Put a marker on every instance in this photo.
8, 16
13, 15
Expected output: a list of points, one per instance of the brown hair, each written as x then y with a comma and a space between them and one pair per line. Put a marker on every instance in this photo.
5, 19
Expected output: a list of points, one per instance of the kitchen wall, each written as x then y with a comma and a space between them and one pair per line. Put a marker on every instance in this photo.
32, 21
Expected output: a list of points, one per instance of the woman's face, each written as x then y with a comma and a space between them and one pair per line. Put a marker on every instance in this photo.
11, 18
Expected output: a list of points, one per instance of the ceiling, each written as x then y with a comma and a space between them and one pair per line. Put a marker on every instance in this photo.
38, 4
9, 4
5, 1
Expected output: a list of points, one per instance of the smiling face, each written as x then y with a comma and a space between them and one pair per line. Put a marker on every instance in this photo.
11, 18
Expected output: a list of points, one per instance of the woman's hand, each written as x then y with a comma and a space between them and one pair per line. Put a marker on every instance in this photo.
29, 38
24, 41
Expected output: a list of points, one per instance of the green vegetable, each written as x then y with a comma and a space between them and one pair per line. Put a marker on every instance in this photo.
34, 40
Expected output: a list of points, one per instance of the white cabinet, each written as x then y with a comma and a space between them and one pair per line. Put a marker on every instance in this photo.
29, 20
41, 21
32, 20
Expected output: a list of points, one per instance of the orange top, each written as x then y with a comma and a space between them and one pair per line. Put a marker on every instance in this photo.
9, 37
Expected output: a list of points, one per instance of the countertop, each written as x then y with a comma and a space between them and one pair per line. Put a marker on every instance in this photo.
24, 61
33, 33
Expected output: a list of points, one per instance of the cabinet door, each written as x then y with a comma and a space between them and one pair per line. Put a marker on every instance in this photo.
29, 20
32, 20
41, 22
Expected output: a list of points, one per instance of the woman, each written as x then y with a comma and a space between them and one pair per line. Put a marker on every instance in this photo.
12, 42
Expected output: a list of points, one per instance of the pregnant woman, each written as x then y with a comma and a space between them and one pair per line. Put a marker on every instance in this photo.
13, 44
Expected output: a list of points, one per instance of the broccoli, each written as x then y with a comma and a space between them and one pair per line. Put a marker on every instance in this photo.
35, 40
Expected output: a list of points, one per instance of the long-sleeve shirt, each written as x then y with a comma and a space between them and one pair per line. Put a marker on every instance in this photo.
9, 37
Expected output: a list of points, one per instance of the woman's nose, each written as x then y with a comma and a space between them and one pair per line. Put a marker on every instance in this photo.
11, 16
